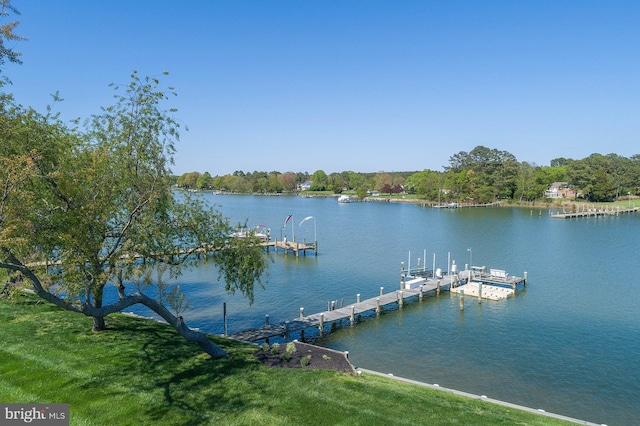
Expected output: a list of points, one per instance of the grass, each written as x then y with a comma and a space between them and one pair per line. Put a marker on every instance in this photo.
141, 372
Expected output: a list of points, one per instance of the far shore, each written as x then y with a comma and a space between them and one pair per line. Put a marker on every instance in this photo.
562, 203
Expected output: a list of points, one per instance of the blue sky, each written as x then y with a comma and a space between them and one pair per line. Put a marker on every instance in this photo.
350, 85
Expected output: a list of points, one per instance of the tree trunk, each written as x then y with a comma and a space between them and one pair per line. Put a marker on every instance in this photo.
98, 322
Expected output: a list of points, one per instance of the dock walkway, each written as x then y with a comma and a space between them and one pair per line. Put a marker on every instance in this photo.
319, 320
594, 213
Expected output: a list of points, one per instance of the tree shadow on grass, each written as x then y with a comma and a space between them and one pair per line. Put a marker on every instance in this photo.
192, 384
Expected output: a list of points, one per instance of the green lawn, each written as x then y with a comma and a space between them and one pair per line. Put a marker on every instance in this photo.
142, 373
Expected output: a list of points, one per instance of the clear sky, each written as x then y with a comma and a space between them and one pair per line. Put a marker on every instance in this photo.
350, 85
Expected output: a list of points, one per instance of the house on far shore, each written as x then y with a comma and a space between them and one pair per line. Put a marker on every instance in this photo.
305, 186
560, 190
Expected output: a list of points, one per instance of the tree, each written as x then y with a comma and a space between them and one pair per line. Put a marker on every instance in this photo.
7, 35
320, 181
97, 206
603, 188
189, 180
427, 183
203, 181
288, 181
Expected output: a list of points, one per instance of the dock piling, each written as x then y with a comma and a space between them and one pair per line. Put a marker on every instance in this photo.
400, 299
378, 306
301, 312
462, 300
224, 316
358, 298
266, 319
381, 291
321, 325
352, 318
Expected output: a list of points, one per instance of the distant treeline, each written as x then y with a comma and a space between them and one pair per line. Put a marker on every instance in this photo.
481, 175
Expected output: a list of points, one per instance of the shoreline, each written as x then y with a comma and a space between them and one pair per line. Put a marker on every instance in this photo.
540, 204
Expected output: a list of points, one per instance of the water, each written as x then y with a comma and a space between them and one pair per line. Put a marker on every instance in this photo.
569, 343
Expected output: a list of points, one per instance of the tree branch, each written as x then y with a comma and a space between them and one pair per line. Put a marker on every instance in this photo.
176, 322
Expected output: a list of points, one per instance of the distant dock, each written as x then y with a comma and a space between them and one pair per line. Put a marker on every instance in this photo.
594, 213
294, 247
466, 205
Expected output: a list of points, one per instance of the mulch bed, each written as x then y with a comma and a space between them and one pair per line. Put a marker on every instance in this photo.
318, 358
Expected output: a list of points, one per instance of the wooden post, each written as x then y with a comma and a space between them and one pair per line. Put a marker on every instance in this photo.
381, 291
352, 318
462, 300
401, 275
479, 292
358, 298
297, 248
377, 306
321, 325
525, 279
400, 299
266, 323
224, 317
301, 312
420, 294
316, 248
438, 288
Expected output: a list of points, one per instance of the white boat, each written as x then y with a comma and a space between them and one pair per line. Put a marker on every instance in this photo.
261, 231
344, 199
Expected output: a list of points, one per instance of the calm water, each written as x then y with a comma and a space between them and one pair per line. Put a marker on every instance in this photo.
569, 343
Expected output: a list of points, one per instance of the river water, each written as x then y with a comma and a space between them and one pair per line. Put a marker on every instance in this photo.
569, 343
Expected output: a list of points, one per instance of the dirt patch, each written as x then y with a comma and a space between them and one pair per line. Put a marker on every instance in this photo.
305, 356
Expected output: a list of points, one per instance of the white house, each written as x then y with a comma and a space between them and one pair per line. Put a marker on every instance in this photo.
560, 190
305, 186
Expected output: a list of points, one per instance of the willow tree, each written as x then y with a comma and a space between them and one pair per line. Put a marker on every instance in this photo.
91, 206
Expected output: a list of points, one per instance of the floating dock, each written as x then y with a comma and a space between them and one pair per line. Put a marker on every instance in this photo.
495, 285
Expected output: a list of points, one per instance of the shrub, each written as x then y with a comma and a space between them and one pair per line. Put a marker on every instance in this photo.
304, 361
286, 356
275, 348
291, 348
326, 357
265, 346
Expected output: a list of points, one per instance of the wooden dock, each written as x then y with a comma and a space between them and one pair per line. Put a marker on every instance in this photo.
594, 213
294, 247
321, 320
